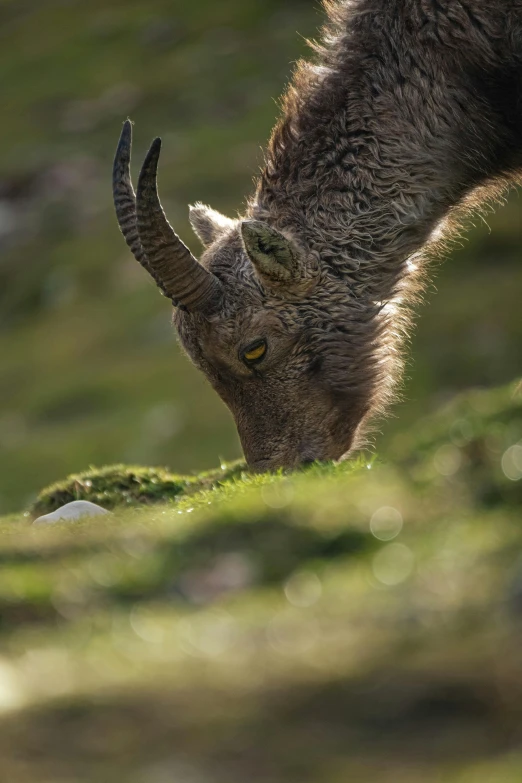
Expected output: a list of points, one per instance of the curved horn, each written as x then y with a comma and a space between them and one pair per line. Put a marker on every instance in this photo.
169, 259
125, 200
124, 197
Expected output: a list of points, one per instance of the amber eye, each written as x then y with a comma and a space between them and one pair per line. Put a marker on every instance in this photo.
255, 352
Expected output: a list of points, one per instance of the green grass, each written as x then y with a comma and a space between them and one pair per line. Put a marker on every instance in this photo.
357, 621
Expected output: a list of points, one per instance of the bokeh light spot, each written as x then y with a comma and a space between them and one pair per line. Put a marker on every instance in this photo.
208, 635
289, 634
393, 564
461, 432
277, 495
447, 460
512, 463
11, 695
386, 523
303, 589
145, 625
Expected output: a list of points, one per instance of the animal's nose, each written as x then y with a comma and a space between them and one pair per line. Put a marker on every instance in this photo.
307, 461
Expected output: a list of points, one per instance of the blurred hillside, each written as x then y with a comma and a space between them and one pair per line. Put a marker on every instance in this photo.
89, 369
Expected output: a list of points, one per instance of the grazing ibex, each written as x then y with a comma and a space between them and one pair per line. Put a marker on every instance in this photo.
411, 113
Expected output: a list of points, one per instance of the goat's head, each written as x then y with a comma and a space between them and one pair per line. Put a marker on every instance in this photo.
260, 317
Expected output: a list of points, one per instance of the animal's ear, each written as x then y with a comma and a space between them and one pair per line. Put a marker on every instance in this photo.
274, 257
208, 224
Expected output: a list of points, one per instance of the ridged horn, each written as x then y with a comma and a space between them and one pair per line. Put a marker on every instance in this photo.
125, 201
169, 260
124, 196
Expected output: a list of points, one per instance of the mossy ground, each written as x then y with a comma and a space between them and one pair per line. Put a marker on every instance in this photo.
127, 485
350, 622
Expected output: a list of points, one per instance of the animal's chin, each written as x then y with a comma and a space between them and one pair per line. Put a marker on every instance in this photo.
334, 446
268, 464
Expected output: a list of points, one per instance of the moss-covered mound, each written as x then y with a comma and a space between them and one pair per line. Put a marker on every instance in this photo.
126, 485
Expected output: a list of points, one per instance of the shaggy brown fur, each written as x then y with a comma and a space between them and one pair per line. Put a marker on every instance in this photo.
411, 112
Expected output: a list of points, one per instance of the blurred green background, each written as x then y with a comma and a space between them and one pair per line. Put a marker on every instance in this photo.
90, 372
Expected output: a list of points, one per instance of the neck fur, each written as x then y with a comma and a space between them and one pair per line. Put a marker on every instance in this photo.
399, 126
380, 142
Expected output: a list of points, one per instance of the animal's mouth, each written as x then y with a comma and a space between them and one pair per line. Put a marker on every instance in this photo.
272, 463
267, 466
306, 451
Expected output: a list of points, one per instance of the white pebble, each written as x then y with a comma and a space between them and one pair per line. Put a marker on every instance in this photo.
71, 511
